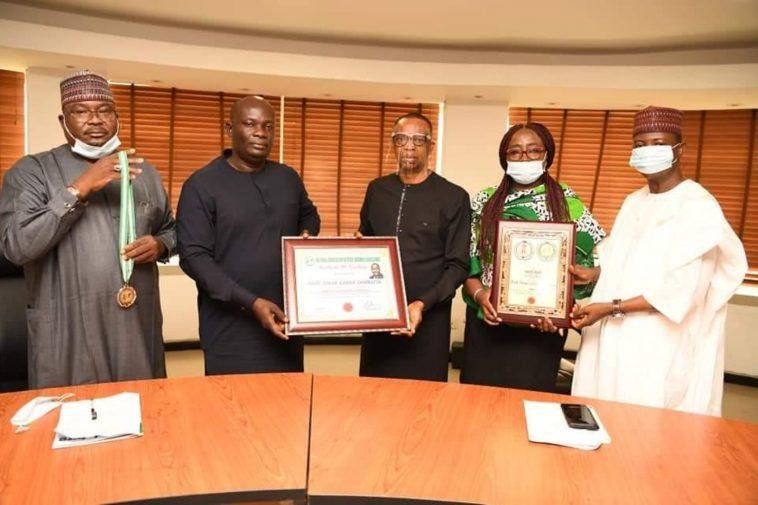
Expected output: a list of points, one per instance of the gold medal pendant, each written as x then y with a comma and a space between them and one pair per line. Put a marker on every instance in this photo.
126, 296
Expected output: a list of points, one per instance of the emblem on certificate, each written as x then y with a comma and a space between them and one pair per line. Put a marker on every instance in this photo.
126, 296
530, 277
343, 285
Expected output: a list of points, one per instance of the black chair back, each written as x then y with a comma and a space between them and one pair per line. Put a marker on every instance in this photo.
13, 332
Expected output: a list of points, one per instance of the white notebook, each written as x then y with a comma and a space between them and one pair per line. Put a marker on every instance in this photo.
99, 420
546, 424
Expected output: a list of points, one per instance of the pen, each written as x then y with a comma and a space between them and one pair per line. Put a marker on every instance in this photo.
92, 410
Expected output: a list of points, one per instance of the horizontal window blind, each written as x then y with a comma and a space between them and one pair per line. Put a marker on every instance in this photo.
593, 148
178, 131
347, 144
336, 146
11, 119
361, 158
321, 158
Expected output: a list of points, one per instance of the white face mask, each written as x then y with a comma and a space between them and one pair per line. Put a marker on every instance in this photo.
94, 152
35, 409
652, 159
525, 172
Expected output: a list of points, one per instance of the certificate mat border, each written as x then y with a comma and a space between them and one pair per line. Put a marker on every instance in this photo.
294, 327
568, 231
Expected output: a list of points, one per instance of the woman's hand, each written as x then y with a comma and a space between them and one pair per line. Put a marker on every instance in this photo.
482, 298
584, 275
544, 324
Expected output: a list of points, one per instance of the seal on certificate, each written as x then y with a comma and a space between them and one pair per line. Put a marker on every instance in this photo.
524, 250
546, 251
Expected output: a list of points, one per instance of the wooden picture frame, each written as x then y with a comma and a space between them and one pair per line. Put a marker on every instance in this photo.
531, 278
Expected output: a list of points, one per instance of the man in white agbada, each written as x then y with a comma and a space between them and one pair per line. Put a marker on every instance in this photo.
653, 333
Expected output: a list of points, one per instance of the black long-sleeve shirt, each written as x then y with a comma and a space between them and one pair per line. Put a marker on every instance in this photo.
432, 222
229, 230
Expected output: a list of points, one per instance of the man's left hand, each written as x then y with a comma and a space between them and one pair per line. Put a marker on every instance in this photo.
589, 314
146, 249
415, 315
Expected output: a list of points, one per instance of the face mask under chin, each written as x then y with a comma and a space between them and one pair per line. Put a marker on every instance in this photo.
94, 152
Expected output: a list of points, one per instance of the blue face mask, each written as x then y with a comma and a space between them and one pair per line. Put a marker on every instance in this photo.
650, 160
94, 152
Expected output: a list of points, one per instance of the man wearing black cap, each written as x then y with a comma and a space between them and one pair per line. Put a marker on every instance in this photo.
59, 218
653, 332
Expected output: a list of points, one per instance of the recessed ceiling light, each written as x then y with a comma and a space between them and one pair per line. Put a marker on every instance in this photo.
155, 80
326, 94
638, 105
478, 96
244, 89
70, 66
407, 97
734, 104
551, 103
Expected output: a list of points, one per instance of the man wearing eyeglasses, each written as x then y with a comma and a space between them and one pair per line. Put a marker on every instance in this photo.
59, 219
430, 217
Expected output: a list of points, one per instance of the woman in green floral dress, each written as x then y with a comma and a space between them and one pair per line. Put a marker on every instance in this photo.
509, 355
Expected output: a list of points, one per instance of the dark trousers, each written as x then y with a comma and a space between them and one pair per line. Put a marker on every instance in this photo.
268, 355
510, 356
424, 356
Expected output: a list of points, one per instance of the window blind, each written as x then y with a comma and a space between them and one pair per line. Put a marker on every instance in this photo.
593, 148
11, 119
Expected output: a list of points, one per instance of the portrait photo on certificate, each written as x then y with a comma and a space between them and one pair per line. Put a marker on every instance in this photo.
531, 279
343, 285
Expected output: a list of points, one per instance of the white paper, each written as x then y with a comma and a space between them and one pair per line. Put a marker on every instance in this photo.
546, 424
117, 417
534, 274
344, 284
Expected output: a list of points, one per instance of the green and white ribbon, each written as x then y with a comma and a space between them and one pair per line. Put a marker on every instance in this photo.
126, 221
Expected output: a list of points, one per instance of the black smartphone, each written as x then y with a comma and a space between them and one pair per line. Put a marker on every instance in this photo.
579, 416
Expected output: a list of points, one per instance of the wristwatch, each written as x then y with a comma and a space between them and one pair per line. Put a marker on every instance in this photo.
616, 311
74, 191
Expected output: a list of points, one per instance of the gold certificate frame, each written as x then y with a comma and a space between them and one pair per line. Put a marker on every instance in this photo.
531, 278
336, 285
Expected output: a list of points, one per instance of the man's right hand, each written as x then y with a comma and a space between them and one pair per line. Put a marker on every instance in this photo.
270, 316
103, 171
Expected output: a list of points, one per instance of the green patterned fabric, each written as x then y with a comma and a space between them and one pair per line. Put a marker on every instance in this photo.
530, 205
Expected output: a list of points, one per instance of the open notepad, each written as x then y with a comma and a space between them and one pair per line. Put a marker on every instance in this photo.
99, 420
545, 424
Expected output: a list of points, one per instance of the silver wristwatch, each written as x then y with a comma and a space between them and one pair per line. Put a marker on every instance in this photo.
616, 311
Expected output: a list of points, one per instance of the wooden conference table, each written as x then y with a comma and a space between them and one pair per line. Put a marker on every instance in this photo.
227, 438
458, 443
246, 438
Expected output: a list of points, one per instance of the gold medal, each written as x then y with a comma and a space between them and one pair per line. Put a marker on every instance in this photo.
126, 296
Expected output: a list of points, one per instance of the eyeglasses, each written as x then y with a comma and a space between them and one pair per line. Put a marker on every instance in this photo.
400, 139
82, 114
532, 153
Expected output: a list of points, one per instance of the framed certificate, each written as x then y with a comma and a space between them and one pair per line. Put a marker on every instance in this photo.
530, 278
343, 285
